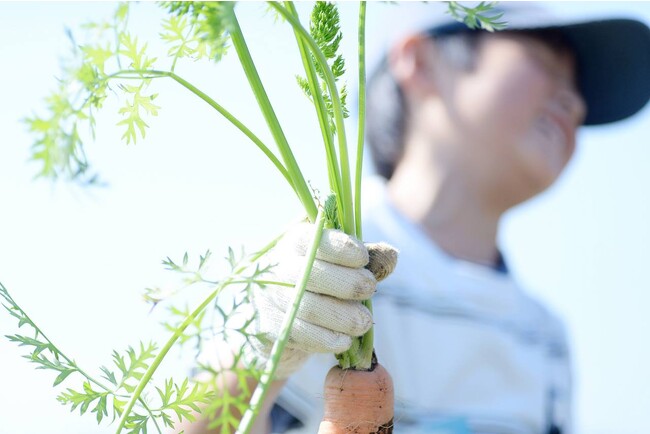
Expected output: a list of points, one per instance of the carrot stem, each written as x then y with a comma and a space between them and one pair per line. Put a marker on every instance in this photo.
367, 340
347, 210
298, 181
361, 129
334, 175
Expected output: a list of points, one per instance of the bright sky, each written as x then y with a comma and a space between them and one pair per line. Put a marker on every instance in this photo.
77, 260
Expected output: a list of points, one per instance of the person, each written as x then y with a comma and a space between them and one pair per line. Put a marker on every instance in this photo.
463, 125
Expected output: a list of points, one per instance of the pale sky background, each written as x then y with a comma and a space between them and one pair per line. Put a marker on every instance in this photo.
77, 260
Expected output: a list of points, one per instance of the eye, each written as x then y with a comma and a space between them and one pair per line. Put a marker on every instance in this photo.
553, 61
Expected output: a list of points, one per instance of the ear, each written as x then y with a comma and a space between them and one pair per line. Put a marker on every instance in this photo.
412, 62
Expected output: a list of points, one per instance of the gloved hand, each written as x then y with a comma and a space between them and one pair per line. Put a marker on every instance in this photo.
331, 312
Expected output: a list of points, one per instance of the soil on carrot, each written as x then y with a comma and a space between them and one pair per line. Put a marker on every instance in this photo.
383, 259
386, 428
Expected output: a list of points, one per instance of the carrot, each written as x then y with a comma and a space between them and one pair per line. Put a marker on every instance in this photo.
358, 402
362, 401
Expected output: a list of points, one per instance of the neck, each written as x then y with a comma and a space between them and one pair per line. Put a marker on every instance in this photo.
450, 211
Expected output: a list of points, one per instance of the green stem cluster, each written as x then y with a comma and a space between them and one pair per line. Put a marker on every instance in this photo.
345, 192
297, 179
334, 173
359, 357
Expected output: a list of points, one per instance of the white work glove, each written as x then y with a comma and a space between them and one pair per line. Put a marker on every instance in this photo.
331, 312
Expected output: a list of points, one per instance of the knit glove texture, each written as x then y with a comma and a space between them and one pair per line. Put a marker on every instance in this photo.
331, 312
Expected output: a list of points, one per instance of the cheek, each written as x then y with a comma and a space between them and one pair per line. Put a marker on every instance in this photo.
501, 112
502, 104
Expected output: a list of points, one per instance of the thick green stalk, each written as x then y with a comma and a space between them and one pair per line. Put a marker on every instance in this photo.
334, 175
257, 400
179, 331
298, 181
361, 130
367, 340
346, 186
360, 355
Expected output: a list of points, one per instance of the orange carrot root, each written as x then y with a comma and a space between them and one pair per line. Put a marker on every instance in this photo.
358, 402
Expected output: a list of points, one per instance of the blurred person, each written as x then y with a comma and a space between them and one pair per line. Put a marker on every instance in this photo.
462, 125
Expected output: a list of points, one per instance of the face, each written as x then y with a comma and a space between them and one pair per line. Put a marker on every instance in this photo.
512, 119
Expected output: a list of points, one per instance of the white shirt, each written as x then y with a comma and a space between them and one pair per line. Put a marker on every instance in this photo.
468, 350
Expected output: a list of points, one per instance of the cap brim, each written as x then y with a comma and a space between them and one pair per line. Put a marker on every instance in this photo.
613, 59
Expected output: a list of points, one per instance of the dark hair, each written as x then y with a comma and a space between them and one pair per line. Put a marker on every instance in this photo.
385, 120
386, 110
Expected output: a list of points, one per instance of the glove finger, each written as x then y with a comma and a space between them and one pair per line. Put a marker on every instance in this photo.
344, 316
331, 279
272, 303
310, 338
336, 246
383, 259
313, 338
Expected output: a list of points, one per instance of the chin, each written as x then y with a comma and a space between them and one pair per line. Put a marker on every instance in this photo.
534, 181
545, 179
546, 168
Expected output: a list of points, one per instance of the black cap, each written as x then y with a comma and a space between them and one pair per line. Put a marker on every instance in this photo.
612, 55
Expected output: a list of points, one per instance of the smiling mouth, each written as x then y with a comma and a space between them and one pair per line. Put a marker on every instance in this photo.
556, 127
